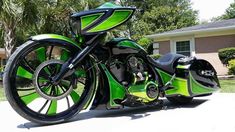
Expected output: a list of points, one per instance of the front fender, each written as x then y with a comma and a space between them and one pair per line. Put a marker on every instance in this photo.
56, 38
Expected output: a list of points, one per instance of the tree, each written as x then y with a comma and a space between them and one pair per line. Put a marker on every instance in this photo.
8, 19
13, 13
1, 38
163, 15
229, 13
20, 19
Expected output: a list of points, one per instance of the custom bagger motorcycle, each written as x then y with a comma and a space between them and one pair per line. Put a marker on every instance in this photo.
51, 78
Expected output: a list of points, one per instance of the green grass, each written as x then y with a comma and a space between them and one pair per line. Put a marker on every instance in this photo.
2, 95
227, 86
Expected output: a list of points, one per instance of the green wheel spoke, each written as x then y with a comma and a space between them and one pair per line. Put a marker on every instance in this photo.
58, 67
58, 90
52, 108
65, 83
41, 79
21, 72
80, 73
41, 54
29, 98
25, 89
48, 89
75, 96
64, 55
47, 70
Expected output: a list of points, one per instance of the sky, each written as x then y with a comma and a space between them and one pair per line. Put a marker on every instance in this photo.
210, 8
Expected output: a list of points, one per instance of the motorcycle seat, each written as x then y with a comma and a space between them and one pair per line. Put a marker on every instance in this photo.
167, 62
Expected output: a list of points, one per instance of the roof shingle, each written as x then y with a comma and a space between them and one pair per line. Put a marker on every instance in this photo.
217, 24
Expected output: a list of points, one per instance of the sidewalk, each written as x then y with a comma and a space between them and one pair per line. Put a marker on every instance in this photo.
214, 113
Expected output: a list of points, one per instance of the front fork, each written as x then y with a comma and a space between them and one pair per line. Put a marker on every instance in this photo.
73, 62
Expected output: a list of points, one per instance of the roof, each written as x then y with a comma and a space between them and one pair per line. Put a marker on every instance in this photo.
209, 27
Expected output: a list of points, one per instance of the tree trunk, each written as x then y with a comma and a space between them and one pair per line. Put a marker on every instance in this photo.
9, 40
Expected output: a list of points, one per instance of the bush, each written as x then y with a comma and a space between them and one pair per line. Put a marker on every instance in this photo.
226, 54
144, 42
2, 68
231, 67
155, 56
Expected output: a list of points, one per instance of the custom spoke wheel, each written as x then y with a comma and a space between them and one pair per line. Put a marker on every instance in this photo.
29, 87
45, 87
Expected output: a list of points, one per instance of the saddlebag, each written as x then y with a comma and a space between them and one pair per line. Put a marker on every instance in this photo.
192, 77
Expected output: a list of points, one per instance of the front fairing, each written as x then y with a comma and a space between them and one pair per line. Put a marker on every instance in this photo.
101, 19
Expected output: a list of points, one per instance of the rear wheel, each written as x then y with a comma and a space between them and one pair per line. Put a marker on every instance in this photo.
180, 99
28, 86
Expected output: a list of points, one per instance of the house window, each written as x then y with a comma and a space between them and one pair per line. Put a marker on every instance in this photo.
183, 47
155, 48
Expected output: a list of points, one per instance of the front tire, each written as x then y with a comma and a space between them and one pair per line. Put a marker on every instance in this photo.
20, 90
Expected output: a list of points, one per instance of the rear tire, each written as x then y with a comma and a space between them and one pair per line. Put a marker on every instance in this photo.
180, 100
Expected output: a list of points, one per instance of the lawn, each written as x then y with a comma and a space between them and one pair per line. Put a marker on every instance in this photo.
2, 96
227, 86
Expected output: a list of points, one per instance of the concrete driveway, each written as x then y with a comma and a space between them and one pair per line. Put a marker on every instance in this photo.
215, 113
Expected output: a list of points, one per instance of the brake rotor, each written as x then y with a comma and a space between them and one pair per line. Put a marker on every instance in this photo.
43, 81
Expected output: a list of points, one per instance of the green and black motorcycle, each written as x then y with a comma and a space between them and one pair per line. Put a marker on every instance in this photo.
51, 78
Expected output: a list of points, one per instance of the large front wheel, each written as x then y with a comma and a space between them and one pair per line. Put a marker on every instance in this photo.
29, 87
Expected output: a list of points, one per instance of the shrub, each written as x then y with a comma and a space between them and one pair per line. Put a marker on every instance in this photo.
2, 68
231, 67
155, 56
144, 42
226, 54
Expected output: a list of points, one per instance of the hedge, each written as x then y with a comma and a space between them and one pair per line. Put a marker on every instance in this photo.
155, 56
226, 54
231, 67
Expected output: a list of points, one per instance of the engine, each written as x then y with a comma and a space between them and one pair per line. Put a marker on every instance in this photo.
133, 73
130, 70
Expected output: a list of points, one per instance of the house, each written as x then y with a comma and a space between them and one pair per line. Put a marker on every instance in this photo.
202, 41
2, 57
